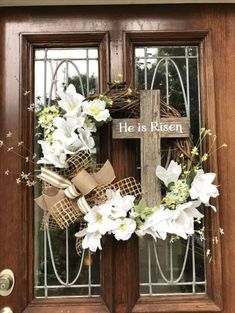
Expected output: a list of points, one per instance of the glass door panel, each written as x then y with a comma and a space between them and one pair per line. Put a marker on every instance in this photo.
59, 270
173, 266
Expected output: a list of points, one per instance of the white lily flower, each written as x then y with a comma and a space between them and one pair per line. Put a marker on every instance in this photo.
182, 219
52, 154
66, 128
119, 205
98, 220
96, 109
77, 122
91, 241
71, 101
125, 229
85, 140
202, 187
169, 175
65, 131
155, 224
72, 148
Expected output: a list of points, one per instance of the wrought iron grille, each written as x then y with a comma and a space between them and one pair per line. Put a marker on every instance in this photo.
165, 267
168, 267
59, 271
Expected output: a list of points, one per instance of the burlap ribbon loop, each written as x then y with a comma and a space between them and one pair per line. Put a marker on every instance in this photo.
63, 210
77, 162
127, 186
49, 197
83, 183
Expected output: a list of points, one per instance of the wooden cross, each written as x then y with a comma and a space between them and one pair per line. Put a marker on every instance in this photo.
150, 128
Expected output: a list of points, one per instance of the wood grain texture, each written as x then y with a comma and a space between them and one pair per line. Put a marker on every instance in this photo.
208, 120
150, 128
13, 3
63, 305
211, 27
25, 274
167, 128
150, 147
191, 304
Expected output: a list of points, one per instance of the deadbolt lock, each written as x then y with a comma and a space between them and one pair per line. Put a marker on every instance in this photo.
7, 282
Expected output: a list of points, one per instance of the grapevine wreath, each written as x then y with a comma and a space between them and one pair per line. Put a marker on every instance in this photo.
75, 188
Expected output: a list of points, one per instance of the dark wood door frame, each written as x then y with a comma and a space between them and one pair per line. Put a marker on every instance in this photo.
201, 38
210, 28
131, 39
29, 42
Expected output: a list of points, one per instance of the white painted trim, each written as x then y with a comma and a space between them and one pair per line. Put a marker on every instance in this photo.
4, 3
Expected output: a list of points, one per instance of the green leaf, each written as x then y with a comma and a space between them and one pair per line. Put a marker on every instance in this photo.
141, 206
170, 185
191, 177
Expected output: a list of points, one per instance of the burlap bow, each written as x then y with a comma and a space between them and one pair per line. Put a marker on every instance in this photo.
58, 199
65, 199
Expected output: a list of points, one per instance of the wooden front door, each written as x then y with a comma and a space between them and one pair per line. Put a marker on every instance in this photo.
117, 40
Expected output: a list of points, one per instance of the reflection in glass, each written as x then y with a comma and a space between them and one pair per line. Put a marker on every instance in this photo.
168, 267
59, 270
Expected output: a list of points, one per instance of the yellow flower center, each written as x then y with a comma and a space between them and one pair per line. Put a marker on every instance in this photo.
95, 111
72, 106
123, 227
99, 218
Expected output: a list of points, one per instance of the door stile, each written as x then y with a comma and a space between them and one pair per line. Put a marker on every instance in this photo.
28, 44
213, 300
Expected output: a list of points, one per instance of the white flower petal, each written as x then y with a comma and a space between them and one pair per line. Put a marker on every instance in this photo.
59, 122
81, 233
202, 187
161, 173
169, 175
71, 90
125, 229
70, 101
210, 205
96, 109
52, 154
92, 241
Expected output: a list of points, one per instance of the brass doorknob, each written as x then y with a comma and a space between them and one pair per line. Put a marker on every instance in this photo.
6, 310
7, 283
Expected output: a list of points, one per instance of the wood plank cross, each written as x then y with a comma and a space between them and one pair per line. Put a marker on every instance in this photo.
150, 128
